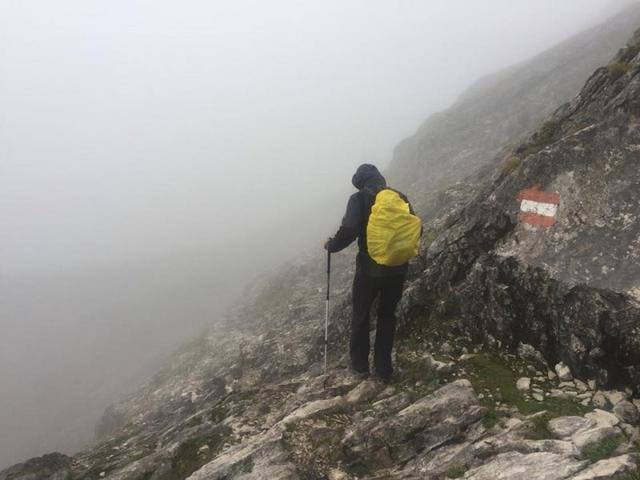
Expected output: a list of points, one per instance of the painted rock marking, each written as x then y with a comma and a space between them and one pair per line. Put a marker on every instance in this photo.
538, 208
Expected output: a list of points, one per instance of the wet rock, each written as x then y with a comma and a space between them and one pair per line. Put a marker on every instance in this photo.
602, 418
609, 468
599, 400
523, 384
614, 396
532, 466
563, 372
591, 436
626, 411
529, 354
54, 466
313, 408
438, 366
580, 385
563, 427
427, 423
363, 392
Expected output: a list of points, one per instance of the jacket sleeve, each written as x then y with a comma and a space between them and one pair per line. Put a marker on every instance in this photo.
350, 227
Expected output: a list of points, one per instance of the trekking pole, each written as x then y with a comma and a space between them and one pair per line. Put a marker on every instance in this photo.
326, 316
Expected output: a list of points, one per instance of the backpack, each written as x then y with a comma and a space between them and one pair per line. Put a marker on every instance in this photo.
393, 232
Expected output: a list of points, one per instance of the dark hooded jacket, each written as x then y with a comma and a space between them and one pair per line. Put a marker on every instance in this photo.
369, 182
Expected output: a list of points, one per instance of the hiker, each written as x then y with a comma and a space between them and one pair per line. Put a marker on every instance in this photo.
383, 276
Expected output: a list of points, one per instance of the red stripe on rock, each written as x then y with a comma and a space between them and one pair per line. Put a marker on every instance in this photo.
536, 195
537, 220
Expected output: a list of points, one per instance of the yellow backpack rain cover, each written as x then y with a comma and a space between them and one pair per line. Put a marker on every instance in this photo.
393, 232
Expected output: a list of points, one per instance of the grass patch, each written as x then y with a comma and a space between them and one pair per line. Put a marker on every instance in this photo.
604, 449
491, 418
247, 467
456, 471
540, 429
491, 375
617, 70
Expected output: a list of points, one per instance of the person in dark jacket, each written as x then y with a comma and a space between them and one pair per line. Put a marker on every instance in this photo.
371, 279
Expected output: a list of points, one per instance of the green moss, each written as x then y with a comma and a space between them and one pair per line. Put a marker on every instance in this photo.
630, 476
492, 375
617, 70
602, 450
247, 467
219, 413
545, 136
456, 471
358, 469
188, 457
511, 164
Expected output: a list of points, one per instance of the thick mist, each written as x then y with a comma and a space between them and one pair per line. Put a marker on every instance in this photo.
156, 156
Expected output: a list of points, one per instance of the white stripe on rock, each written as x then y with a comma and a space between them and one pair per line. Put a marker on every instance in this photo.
539, 208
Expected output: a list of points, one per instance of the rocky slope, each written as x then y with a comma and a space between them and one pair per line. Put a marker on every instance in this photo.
498, 319
498, 111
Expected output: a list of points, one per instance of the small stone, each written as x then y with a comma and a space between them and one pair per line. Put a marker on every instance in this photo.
557, 393
523, 384
529, 354
580, 385
615, 396
599, 400
602, 418
335, 474
626, 411
538, 396
563, 372
566, 385
446, 348
592, 384
551, 375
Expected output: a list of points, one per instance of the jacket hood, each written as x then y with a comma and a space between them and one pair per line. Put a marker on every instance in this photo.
368, 176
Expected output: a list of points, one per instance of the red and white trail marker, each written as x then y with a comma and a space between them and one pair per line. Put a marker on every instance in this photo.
538, 208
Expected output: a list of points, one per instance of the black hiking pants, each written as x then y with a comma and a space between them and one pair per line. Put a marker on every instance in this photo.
365, 289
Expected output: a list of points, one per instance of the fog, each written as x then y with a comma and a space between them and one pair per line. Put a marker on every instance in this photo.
156, 156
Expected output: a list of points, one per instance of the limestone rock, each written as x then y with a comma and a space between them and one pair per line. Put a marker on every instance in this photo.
608, 468
626, 411
532, 466
523, 384
563, 372
563, 427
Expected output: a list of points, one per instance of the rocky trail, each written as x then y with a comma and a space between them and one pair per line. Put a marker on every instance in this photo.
472, 416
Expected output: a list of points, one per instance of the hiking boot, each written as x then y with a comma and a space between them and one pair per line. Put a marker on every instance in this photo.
386, 379
359, 374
